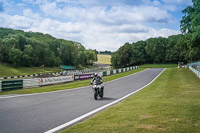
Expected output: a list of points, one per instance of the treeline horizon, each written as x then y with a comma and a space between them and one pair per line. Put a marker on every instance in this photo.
21, 48
184, 47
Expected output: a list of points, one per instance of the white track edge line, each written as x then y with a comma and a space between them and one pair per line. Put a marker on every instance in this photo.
56, 129
22, 95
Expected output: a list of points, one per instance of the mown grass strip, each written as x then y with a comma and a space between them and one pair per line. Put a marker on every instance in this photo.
159, 66
170, 104
70, 85
104, 59
8, 71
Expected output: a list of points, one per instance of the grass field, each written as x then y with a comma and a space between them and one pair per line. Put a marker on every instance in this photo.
159, 66
171, 104
6, 70
70, 85
104, 59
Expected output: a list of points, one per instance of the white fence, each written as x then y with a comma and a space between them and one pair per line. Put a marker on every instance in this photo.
195, 71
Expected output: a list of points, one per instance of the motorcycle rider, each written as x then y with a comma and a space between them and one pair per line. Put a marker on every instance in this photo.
98, 79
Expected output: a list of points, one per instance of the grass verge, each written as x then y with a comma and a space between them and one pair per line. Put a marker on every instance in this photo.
8, 71
159, 66
104, 59
170, 104
70, 85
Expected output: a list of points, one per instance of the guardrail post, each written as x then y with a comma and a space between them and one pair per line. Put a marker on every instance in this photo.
0, 86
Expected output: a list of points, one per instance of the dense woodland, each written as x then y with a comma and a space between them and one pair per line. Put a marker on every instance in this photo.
184, 47
21, 48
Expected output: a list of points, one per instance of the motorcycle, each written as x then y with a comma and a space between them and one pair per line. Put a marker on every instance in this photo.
98, 90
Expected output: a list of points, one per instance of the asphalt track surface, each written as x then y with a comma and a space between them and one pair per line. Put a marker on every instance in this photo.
39, 113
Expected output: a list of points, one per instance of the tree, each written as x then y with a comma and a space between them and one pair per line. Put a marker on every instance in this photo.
90, 57
156, 49
190, 21
172, 53
115, 59
139, 55
15, 56
190, 26
27, 56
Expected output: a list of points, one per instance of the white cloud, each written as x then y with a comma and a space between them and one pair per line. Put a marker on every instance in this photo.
93, 24
177, 1
115, 15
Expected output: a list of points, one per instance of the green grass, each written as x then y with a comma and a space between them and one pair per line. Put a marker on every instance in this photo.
104, 59
171, 104
7, 70
159, 66
86, 67
68, 85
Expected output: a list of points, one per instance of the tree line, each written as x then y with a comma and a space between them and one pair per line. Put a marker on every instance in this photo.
21, 48
184, 47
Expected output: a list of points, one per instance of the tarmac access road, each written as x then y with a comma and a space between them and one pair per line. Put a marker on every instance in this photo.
37, 113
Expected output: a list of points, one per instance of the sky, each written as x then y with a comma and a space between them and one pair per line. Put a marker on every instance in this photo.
96, 24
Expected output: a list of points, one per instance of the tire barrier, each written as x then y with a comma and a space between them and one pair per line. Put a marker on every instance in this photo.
11, 84
36, 82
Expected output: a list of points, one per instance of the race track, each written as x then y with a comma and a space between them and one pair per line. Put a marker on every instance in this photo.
42, 112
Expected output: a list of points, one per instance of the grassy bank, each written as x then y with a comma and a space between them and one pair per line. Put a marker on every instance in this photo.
68, 85
104, 59
7, 70
159, 66
170, 104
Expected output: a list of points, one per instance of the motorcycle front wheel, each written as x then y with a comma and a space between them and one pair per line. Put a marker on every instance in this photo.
101, 95
95, 95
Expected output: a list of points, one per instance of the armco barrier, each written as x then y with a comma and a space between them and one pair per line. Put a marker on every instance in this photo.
36, 82
195, 71
11, 84
55, 80
83, 76
30, 83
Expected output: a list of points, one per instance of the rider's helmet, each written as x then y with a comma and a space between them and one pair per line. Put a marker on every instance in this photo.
95, 74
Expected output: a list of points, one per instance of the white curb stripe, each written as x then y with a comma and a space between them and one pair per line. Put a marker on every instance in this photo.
56, 129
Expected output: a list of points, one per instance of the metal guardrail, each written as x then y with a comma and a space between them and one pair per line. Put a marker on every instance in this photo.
36, 82
195, 71
195, 68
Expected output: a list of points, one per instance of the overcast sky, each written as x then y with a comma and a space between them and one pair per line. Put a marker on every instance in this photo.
97, 24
